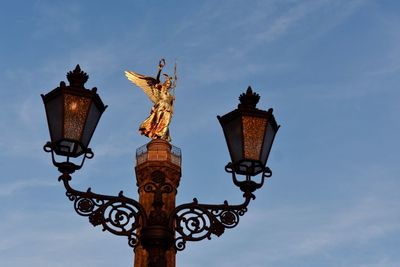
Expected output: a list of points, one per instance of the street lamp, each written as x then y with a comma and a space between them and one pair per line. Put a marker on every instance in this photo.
154, 226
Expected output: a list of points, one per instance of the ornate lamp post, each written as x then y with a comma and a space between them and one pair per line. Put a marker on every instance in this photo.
154, 226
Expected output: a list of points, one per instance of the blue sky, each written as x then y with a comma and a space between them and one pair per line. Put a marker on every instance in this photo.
330, 69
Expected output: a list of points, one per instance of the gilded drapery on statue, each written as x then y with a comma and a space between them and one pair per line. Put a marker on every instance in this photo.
156, 126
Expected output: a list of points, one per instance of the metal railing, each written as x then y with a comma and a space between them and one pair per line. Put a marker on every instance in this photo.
143, 155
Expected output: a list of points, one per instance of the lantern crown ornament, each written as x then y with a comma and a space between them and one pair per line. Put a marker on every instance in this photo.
248, 99
77, 77
72, 115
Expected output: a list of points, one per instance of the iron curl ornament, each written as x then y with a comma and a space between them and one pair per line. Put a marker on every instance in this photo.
194, 221
118, 215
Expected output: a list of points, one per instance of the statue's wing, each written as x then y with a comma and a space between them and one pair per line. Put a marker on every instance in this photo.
147, 84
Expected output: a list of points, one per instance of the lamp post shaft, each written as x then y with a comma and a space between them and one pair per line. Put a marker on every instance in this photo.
158, 173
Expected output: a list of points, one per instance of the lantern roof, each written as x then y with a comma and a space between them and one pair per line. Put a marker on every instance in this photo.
247, 106
77, 78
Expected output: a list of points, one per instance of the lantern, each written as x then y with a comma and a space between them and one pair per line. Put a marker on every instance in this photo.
72, 114
249, 134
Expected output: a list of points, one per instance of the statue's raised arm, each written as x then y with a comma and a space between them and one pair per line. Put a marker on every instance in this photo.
156, 125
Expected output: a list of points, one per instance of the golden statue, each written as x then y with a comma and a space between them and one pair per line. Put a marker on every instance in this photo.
156, 125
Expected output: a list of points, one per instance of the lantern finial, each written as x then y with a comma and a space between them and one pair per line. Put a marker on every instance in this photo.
248, 99
77, 78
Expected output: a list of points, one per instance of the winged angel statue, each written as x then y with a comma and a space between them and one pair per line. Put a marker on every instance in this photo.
162, 97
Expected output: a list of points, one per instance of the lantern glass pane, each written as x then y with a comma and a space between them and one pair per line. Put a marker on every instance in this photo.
54, 112
75, 114
91, 123
269, 137
253, 135
233, 134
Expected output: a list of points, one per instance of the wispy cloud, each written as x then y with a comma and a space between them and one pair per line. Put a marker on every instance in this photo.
283, 23
361, 224
8, 189
384, 262
53, 17
312, 231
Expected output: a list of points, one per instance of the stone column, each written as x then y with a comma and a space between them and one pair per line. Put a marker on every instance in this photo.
158, 172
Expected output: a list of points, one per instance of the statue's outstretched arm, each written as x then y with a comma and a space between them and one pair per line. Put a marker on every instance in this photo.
161, 65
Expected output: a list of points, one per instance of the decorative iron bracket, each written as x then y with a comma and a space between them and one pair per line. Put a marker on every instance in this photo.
117, 214
194, 221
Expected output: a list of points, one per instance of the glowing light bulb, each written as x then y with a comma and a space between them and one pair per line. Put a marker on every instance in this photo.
73, 106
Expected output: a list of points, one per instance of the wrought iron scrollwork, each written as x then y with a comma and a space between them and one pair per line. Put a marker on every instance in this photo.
116, 214
194, 221
124, 216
